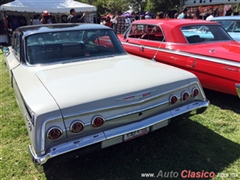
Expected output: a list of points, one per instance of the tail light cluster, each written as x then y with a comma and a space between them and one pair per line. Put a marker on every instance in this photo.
97, 121
195, 92
54, 133
76, 127
184, 97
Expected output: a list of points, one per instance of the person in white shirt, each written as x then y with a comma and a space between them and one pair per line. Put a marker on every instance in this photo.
36, 20
209, 17
183, 14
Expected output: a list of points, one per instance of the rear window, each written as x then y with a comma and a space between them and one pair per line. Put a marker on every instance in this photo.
82, 45
204, 33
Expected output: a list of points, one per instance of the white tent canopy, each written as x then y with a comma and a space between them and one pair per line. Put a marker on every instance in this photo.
52, 6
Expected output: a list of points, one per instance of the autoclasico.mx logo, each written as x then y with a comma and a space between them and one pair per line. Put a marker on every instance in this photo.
188, 174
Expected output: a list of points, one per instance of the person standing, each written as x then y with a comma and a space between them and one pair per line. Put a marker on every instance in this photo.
46, 19
72, 18
160, 15
36, 19
183, 14
134, 17
119, 23
209, 17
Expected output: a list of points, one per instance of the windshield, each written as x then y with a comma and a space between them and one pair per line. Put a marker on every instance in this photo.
52, 47
205, 33
230, 25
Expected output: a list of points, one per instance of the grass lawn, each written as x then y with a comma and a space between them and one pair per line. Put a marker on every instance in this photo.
207, 142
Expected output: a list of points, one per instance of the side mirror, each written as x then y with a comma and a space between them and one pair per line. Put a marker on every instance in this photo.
5, 50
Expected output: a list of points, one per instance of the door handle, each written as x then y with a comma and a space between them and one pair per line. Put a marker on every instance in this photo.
141, 48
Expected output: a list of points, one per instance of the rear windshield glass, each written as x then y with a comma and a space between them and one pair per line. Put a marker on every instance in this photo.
82, 45
205, 33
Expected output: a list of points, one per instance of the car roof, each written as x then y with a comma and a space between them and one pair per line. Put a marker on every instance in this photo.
32, 29
226, 18
171, 27
173, 22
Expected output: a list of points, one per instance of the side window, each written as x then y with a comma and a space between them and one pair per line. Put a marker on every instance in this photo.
148, 32
137, 31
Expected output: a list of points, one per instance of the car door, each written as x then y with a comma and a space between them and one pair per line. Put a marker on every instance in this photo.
149, 41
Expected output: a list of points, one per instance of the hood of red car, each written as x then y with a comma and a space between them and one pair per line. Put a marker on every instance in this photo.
225, 50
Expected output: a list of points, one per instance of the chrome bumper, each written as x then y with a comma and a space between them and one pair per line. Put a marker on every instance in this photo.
115, 136
238, 89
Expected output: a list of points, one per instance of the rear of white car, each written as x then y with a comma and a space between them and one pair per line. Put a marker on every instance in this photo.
92, 93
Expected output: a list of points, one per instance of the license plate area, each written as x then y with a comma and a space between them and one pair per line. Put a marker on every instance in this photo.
135, 134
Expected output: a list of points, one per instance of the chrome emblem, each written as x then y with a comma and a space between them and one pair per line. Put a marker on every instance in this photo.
137, 96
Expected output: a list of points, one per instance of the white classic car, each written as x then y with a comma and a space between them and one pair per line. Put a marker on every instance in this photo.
76, 86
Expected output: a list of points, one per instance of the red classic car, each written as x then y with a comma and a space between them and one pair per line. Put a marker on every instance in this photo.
201, 47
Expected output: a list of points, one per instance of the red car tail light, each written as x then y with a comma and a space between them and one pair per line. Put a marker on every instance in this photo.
97, 121
173, 99
54, 133
76, 127
195, 92
185, 96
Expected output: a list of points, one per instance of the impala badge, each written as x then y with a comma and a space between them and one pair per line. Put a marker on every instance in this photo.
136, 96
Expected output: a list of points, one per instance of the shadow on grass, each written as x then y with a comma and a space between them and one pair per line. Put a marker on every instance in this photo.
223, 101
184, 145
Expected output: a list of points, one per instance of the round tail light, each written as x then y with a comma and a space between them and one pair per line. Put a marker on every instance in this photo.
54, 133
185, 96
97, 121
173, 100
76, 127
195, 92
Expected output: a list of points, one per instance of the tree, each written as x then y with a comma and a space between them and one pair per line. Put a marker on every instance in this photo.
109, 5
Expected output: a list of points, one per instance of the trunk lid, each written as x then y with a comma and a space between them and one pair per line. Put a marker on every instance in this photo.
88, 85
226, 50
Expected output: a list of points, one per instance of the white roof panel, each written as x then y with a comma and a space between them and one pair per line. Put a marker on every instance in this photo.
52, 6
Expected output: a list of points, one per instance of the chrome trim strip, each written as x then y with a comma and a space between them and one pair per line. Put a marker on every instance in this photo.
177, 52
137, 111
238, 89
103, 136
138, 102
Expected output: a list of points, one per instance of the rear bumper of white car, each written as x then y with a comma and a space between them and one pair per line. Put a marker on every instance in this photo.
119, 135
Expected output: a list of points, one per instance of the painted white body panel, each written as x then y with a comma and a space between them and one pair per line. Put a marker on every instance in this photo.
90, 81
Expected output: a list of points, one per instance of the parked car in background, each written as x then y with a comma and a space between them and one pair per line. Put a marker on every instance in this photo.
231, 24
201, 47
77, 88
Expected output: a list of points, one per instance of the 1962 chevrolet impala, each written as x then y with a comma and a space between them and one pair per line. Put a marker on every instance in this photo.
201, 47
76, 86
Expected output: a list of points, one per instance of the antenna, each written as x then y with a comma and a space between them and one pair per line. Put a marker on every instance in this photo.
153, 58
